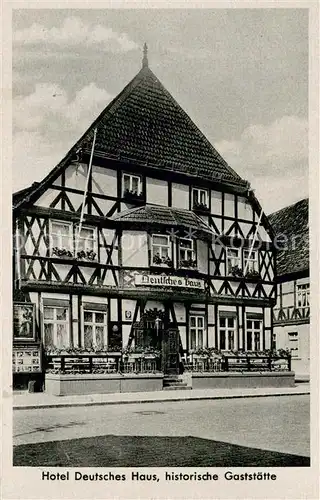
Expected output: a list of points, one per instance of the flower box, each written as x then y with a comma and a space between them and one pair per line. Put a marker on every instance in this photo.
62, 252
133, 196
201, 208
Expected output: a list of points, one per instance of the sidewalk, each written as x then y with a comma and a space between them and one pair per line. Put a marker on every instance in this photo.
29, 401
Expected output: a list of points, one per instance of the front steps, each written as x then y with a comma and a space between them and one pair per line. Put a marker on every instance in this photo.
174, 383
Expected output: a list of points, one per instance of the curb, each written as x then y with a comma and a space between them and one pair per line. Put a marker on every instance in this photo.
164, 400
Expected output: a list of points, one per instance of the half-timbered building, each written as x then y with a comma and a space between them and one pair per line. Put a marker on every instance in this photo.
292, 311
142, 236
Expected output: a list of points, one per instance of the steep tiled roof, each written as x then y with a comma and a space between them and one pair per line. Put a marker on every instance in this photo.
146, 125
292, 223
156, 214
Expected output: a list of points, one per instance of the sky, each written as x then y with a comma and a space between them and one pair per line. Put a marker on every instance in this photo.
240, 74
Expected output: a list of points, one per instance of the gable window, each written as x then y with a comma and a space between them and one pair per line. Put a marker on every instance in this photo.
197, 331
187, 253
234, 261
161, 250
254, 334
200, 198
86, 243
293, 338
61, 238
132, 185
227, 332
56, 326
303, 296
94, 328
251, 263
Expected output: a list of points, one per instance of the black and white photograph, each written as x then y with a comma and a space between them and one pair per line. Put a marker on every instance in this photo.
161, 258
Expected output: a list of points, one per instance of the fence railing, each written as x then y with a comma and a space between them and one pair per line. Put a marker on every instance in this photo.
118, 363
238, 363
100, 363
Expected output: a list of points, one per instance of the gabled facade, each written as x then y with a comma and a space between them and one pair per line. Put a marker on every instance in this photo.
166, 236
292, 310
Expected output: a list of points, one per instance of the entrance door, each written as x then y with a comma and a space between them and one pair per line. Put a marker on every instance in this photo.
170, 351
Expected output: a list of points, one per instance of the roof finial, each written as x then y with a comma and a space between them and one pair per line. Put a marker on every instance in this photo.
145, 56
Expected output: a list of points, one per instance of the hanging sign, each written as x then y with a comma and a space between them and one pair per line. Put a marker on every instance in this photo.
169, 281
23, 321
26, 360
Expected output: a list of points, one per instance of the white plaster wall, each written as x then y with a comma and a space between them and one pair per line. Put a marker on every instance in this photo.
180, 196
128, 305
104, 181
202, 249
157, 191
244, 209
180, 312
47, 198
134, 248
229, 205
183, 336
216, 203
76, 176
113, 310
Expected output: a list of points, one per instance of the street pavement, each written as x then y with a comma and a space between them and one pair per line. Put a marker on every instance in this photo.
24, 400
270, 423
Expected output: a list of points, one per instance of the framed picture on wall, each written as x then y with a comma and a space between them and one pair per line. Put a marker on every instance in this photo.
23, 321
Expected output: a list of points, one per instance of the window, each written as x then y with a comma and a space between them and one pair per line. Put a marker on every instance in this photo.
199, 198
254, 334
56, 326
227, 332
131, 184
61, 238
187, 254
234, 261
161, 249
86, 242
197, 331
293, 338
303, 294
274, 342
95, 329
250, 261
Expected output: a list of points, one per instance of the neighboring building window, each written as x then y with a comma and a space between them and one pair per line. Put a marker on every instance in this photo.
161, 250
56, 326
250, 263
196, 331
254, 334
187, 253
199, 198
61, 238
274, 342
303, 295
94, 328
131, 184
234, 261
293, 338
227, 332
86, 242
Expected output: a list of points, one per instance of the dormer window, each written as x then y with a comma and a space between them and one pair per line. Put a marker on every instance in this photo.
131, 185
161, 250
200, 199
187, 253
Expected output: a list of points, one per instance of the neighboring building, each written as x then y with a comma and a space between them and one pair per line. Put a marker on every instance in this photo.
166, 236
292, 311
